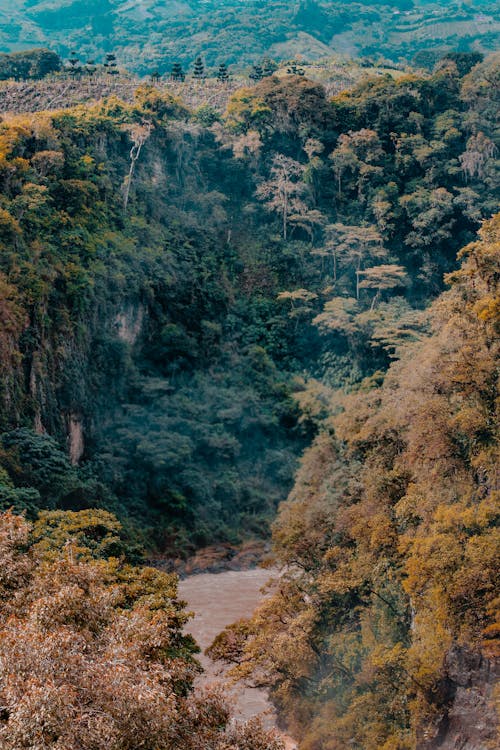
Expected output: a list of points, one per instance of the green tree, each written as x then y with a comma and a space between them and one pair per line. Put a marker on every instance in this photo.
74, 67
198, 69
177, 73
295, 69
223, 73
256, 74
32, 64
110, 64
269, 67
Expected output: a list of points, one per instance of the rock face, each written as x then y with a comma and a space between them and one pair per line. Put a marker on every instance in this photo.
470, 721
76, 443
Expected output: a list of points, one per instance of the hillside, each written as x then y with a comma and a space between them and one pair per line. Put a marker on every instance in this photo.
150, 35
65, 90
384, 630
159, 295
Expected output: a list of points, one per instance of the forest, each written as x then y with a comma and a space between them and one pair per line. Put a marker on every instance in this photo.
204, 312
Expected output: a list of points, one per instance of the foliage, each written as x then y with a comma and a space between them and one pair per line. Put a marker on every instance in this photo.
179, 292
165, 275
389, 540
92, 653
33, 64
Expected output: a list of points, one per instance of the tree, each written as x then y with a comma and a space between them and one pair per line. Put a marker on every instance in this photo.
479, 154
464, 61
110, 64
93, 654
74, 67
294, 69
198, 69
31, 64
339, 314
223, 73
284, 191
329, 249
389, 542
177, 73
355, 245
383, 277
300, 301
37, 461
90, 67
269, 67
139, 135
256, 74
360, 153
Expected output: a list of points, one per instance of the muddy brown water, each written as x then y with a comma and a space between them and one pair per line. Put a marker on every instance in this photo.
217, 600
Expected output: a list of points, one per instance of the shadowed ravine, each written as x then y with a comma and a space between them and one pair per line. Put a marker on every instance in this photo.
218, 599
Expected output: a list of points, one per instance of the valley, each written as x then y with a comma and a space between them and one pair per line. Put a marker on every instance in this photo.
244, 316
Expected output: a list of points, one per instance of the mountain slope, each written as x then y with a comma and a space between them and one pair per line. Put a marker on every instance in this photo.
151, 34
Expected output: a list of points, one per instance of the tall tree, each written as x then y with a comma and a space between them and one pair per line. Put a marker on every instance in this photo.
223, 73
177, 72
74, 67
284, 191
139, 135
110, 64
90, 68
355, 245
199, 69
256, 74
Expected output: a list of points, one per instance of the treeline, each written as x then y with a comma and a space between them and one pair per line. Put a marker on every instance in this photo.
39, 63
30, 65
244, 32
188, 300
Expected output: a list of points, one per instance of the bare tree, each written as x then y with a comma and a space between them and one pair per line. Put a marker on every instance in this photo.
139, 135
284, 192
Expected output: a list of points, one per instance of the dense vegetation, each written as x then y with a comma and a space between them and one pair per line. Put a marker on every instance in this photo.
33, 64
153, 34
167, 275
92, 653
122, 328
390, 543
189, 301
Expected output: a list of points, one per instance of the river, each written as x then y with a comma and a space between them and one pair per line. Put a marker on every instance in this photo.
218, 599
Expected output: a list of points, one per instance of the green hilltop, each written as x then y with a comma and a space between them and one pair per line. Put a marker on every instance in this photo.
151, 34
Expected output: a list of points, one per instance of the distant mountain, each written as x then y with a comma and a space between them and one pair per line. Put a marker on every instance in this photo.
151, 34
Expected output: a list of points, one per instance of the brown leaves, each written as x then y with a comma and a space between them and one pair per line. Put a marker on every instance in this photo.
390, 536
92, 653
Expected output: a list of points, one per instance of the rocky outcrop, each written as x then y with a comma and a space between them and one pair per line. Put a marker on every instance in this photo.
218, 558
469, 721
128, 323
